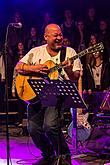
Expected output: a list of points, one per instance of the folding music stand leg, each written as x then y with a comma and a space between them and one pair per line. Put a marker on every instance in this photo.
74, 128
60, 160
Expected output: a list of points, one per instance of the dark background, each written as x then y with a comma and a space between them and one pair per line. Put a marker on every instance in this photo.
33, 10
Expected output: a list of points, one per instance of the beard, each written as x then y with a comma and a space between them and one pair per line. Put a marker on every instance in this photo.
57, 48
57, 45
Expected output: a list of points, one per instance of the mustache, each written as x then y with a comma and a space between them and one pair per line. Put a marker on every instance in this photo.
58, 41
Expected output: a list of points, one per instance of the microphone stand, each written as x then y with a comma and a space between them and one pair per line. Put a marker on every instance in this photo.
6, 92
18, 25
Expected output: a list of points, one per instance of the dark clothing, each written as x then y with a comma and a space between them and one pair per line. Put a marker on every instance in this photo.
17, 56
88, 79
43, 128
81, 46
105, 38
77, 39
15, 35
91, 26
68, 32
2, 94
31, 43
94, 99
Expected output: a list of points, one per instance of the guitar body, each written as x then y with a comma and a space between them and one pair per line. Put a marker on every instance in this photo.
54, 74
83, 129
23, 88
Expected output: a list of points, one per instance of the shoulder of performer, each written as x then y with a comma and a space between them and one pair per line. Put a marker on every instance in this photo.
33, 55
70, 52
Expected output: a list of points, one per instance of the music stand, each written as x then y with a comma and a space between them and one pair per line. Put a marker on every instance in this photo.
49, 91
56, 93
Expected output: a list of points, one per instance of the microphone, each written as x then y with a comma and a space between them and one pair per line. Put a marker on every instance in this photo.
16, 25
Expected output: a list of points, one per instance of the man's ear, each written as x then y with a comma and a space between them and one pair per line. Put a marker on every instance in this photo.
45, 36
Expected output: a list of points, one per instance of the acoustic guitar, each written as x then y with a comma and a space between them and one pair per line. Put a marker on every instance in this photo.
25, 91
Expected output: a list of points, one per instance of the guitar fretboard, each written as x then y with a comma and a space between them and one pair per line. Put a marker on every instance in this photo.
91, 49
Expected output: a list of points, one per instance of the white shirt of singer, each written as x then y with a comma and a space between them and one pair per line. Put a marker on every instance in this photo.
39, 55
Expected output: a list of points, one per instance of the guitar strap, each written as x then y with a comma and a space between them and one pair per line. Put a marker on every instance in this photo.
62, 56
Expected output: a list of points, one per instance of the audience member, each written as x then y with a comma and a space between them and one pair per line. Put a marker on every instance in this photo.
47, 19
68, 27
15, 33
96, 78
91, 23
21, 106
32, 40
104, 36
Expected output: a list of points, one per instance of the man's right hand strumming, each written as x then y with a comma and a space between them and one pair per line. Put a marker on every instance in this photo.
40, 68
26, 68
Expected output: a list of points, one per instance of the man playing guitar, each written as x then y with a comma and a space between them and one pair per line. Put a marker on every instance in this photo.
43, 123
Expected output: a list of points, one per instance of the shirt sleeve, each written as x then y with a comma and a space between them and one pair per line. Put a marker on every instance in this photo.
28, 58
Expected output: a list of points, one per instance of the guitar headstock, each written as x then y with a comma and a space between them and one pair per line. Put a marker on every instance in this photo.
95, 48
92, 49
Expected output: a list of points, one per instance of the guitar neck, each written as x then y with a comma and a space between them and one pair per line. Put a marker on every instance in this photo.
60, 66
80, 54
91, 49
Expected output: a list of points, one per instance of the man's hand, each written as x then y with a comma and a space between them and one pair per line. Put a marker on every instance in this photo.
67, 66
40, 68
27, 68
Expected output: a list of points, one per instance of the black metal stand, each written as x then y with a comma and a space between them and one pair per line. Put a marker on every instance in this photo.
57, 93
60, 160
6, 93
105, 105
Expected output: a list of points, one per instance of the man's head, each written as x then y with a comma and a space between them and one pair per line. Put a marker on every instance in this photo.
53, 36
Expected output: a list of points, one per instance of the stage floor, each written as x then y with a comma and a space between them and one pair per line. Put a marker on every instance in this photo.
23, 151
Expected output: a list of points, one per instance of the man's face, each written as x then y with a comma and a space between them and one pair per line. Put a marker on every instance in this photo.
54, 38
